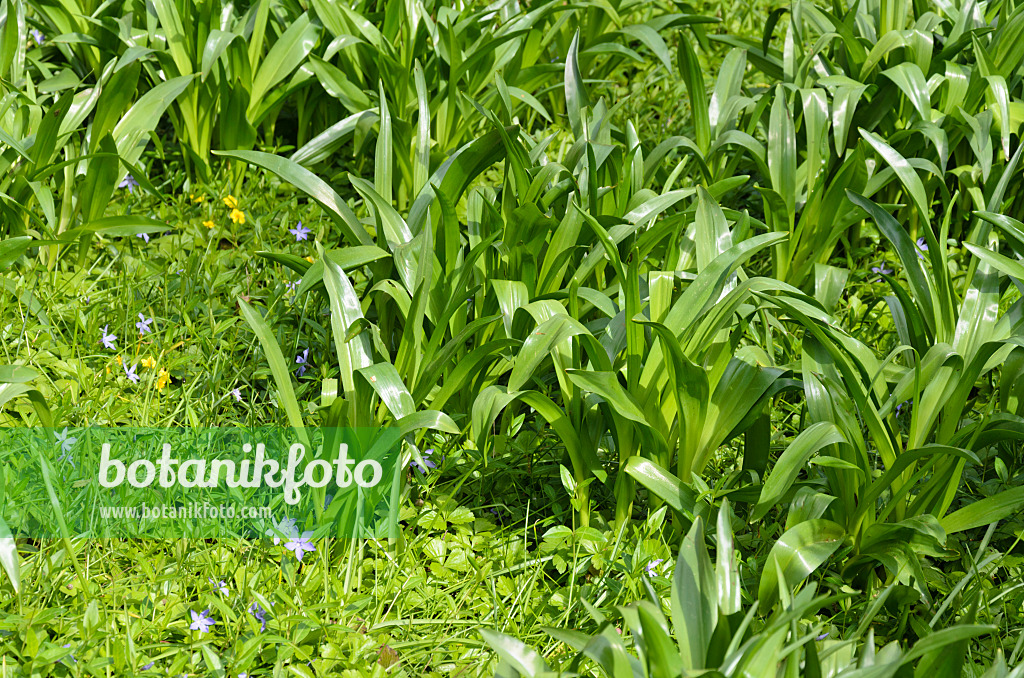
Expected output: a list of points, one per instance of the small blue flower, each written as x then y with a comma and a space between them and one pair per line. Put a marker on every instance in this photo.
129, 183
201, 621
285, 528
143, 324
652, 567
260, 614
130, 373
427, 464
108, 339
880, 269
66, 442
300, 545
300, 360
38, 36
300, 233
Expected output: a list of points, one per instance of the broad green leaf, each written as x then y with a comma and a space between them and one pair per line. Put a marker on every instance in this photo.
9, 556
11, 249
798, 552
353, 353
541, 343
287, 54
132, 133
662, 483
693, 78
694, 599
810, 441
985, 511
909, 78
725, 566
278, 366
575, 90
606, 385
525, 659
907, 175
782, 150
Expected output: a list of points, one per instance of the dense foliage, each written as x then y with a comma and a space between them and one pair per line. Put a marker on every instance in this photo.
702, 325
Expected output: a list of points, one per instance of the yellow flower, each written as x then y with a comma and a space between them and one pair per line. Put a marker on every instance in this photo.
238, 216
208, 224
149, 362
309, 259
195, 199
163, 378
118, 359
231, 202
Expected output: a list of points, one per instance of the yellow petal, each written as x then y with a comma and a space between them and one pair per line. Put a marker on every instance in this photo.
231, 202
208, 224
238, 216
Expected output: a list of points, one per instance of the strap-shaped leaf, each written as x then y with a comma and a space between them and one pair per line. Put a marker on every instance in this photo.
799, 551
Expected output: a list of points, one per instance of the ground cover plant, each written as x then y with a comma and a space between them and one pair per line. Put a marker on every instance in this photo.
701, 327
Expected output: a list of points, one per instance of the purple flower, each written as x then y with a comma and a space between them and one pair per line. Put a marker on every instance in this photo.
143, 324
291, 284
238, 394
823, 636
300, 233
900, 406
72, 656
426, 462
38, 36
66, 442
129, 183
148, 666
880, 269
300, 545
201, 621
130, 373
923, 246
108, 339
652, 567
285, 528
144, 236
300, 360
261, 615
219, 586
